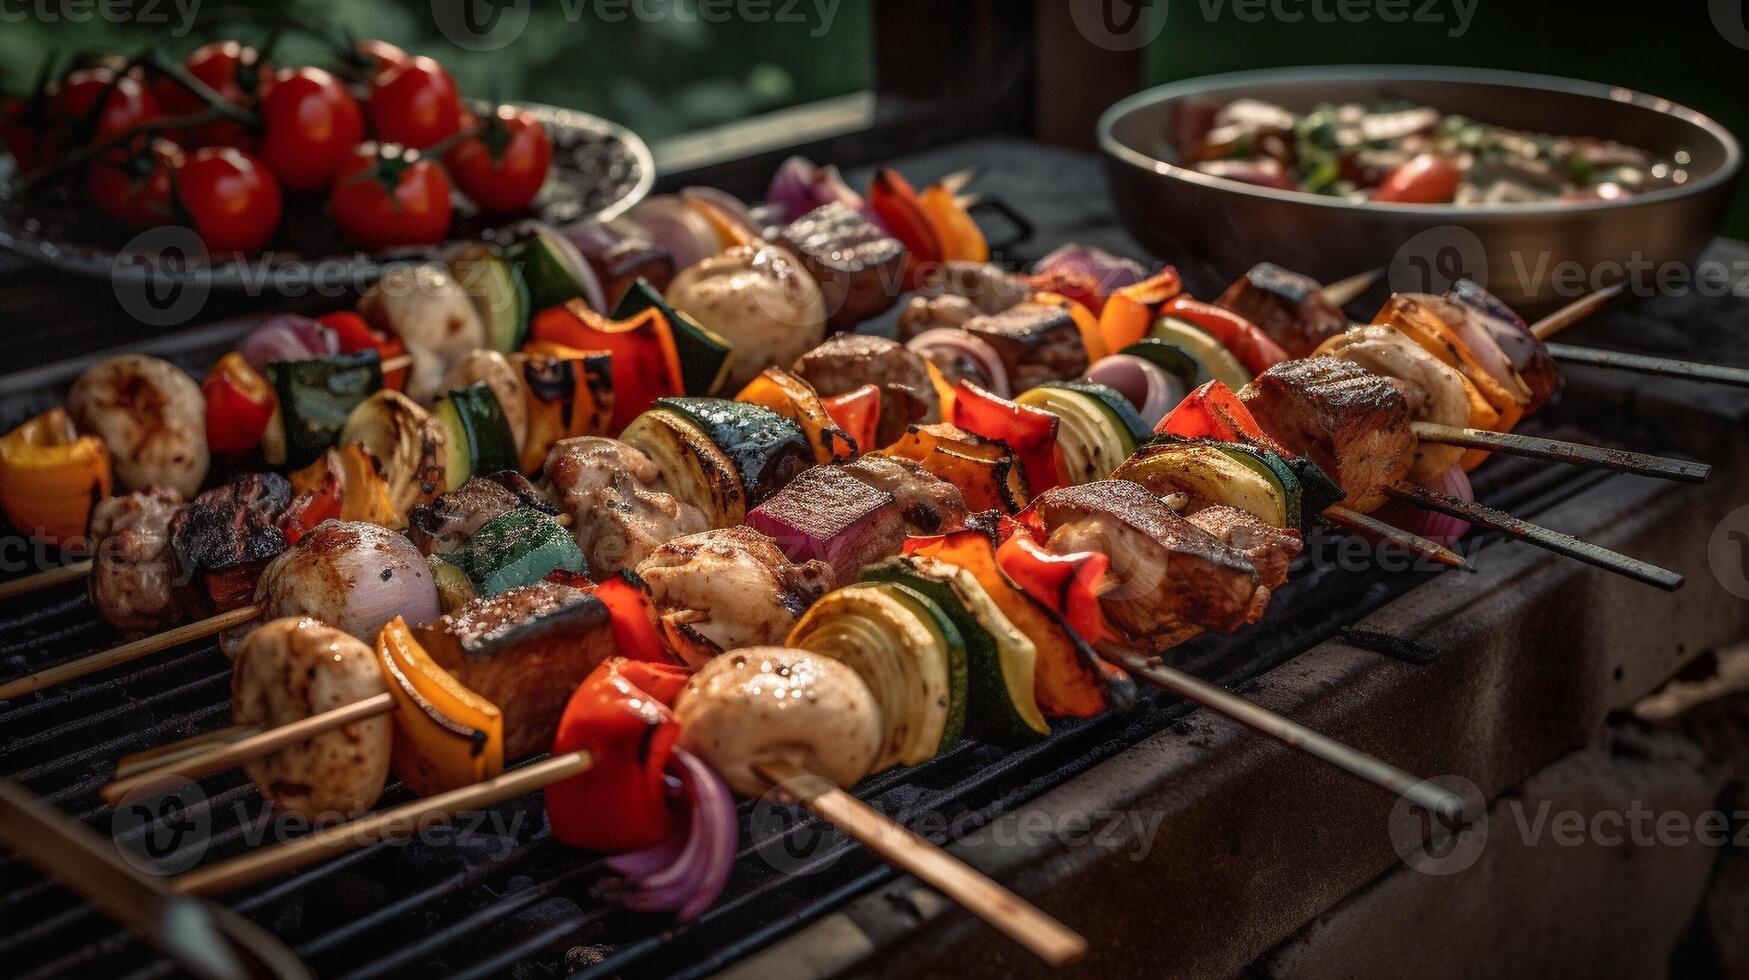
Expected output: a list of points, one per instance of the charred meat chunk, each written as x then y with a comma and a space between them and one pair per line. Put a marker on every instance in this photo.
929, 504
828, 514
445, 523
859, 267
225, 537
134, 569
1270, 549
954, 292
730, 588
849, 361
1354, 424
619, 511
1037, 342
1287, 306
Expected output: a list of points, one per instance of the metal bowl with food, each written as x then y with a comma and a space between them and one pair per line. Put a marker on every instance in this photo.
1533, 245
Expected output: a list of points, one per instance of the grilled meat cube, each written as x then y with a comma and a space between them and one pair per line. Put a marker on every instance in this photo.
225, 537
728, 588
1168, 575
1037, 342
619, 510
1435, 391
929, 504
923, 313
444, 524
957, 291
1354, 424
1269, 549
849, 361
1287, 306
424, 306
525, 650
859, 267
134, 567
831, 515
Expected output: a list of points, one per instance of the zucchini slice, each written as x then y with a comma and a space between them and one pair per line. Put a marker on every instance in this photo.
517, 548
767, 450
1208, 475
1273, 468
552, 269
1000, 659
899, 651
497, 290
315, 399
704, 356
694, 470
1098, 429
478, 441
1216, 359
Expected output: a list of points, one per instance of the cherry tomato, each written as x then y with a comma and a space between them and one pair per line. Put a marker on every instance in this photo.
503, 166
232, 198
310, 124
21, 133
1425, 179
415, 104
381, 54
126, 104
389, 197
133, 189
229, 69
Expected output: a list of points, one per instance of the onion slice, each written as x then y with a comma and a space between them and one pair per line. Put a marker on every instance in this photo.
673, 225
800, 186
288, 337
955, 343
686, 872
1436, 527
1143, 384
1110, 272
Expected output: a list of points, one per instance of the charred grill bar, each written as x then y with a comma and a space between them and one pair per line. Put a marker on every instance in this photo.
1490, 676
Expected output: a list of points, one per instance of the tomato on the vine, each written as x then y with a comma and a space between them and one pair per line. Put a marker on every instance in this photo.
310, 124
127, 104
415, 104
234, 72
232, 198
381, 54
133, 189
503, 165
390, 196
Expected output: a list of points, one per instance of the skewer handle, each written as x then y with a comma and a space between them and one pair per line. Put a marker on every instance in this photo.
1427, 795
157, 643
1542, 537
1645, 364
1561, 451
1047, 938
253, 747
400, 821
24, 585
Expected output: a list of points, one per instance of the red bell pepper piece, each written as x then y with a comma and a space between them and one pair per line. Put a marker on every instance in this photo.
1068, 584
355, 335
623, 715
1030, 432
1250, 345
310, 509
239, 404
646, 364
1212, 411
900, 209
1075, 284
633, 618
858, 413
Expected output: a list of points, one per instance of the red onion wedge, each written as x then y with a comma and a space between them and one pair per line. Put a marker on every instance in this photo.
1438, 528
687, 872
800, 186
1143, 384
1110, 272
950, 344
670, 223
287, 337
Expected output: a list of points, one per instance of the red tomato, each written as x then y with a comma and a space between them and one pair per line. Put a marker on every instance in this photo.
231, 197
381, 54
1426, 179
21, 133
229, 69
415, 104
502, 167
391, 197
310, 126
134, 189
126, 105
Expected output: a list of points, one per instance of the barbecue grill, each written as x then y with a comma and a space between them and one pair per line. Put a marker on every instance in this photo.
1489, 675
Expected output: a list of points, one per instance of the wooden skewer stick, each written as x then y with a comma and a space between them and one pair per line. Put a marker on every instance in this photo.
959, 180
1663, 366
1344, 291
253, 747
70, 572
1542, 537
1414, 543
1575, 311
400, 821
144, 647
1022, 921
396, 363
163, 755
1561, 451
1429, 796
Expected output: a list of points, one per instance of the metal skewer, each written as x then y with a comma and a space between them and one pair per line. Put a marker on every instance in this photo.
1646, 364
144, 647
1555, 541
70, 572
1561, 451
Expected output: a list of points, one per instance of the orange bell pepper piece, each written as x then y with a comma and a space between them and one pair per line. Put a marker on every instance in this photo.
1131, 311
51, 478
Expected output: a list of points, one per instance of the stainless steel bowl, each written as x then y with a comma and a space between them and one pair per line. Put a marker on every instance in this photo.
1533, 256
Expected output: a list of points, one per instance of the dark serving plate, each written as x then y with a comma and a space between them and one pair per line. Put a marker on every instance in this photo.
1533, 256
600, 169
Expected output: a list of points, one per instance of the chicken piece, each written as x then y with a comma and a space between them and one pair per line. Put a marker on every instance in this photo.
353, 576
620, 512
150, 415
225, 537
760, 300
505, 381
1287, 306
525, 650
859, 267
1168, 574
1038, 342
724, 589
1269, 549
431, 313
134, 567
444, 524
929, 504
829, 514
766, 705
848, 361
288, 670
1354, 424
1435, 391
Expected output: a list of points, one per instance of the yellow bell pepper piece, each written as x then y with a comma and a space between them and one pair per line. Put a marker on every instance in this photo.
446, 736
51, 478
